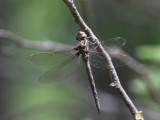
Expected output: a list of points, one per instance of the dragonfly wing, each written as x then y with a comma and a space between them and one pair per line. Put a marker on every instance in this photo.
62, 71
50, 58
120, 60
98, 60
113, 43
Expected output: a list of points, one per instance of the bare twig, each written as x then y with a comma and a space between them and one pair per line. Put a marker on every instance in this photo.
114, 77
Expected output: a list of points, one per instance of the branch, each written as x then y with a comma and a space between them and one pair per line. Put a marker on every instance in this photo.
114, 77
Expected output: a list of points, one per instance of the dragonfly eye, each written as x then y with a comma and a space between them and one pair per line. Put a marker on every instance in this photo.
81, 35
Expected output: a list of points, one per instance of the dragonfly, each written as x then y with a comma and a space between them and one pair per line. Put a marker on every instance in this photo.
66, 62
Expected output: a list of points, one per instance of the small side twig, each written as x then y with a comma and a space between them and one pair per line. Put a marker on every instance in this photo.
114, 77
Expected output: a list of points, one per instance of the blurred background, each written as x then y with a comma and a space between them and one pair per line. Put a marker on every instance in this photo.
22, 97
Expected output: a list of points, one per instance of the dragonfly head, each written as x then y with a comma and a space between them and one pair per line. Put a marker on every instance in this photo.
81, 35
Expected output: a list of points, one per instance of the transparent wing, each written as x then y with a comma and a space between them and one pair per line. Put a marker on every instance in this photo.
98, 60
120, 60
50, 58
113, 43
62, 71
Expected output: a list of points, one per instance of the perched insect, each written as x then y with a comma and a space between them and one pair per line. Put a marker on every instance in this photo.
69, 60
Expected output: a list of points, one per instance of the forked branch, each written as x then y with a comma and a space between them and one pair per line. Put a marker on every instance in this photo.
113, 74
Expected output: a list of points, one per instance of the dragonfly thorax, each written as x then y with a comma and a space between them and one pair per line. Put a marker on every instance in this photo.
81, 35
82, 43
82, 48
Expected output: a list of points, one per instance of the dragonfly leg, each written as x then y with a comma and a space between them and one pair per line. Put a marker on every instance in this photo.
95, 44
76, 49
86, 51
78, 53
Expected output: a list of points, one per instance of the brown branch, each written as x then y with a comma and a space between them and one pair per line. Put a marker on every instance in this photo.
114, 77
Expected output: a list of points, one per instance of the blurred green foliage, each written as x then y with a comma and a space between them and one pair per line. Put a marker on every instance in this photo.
149, 54
22, 98
138, 87
152, 53
37, 20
